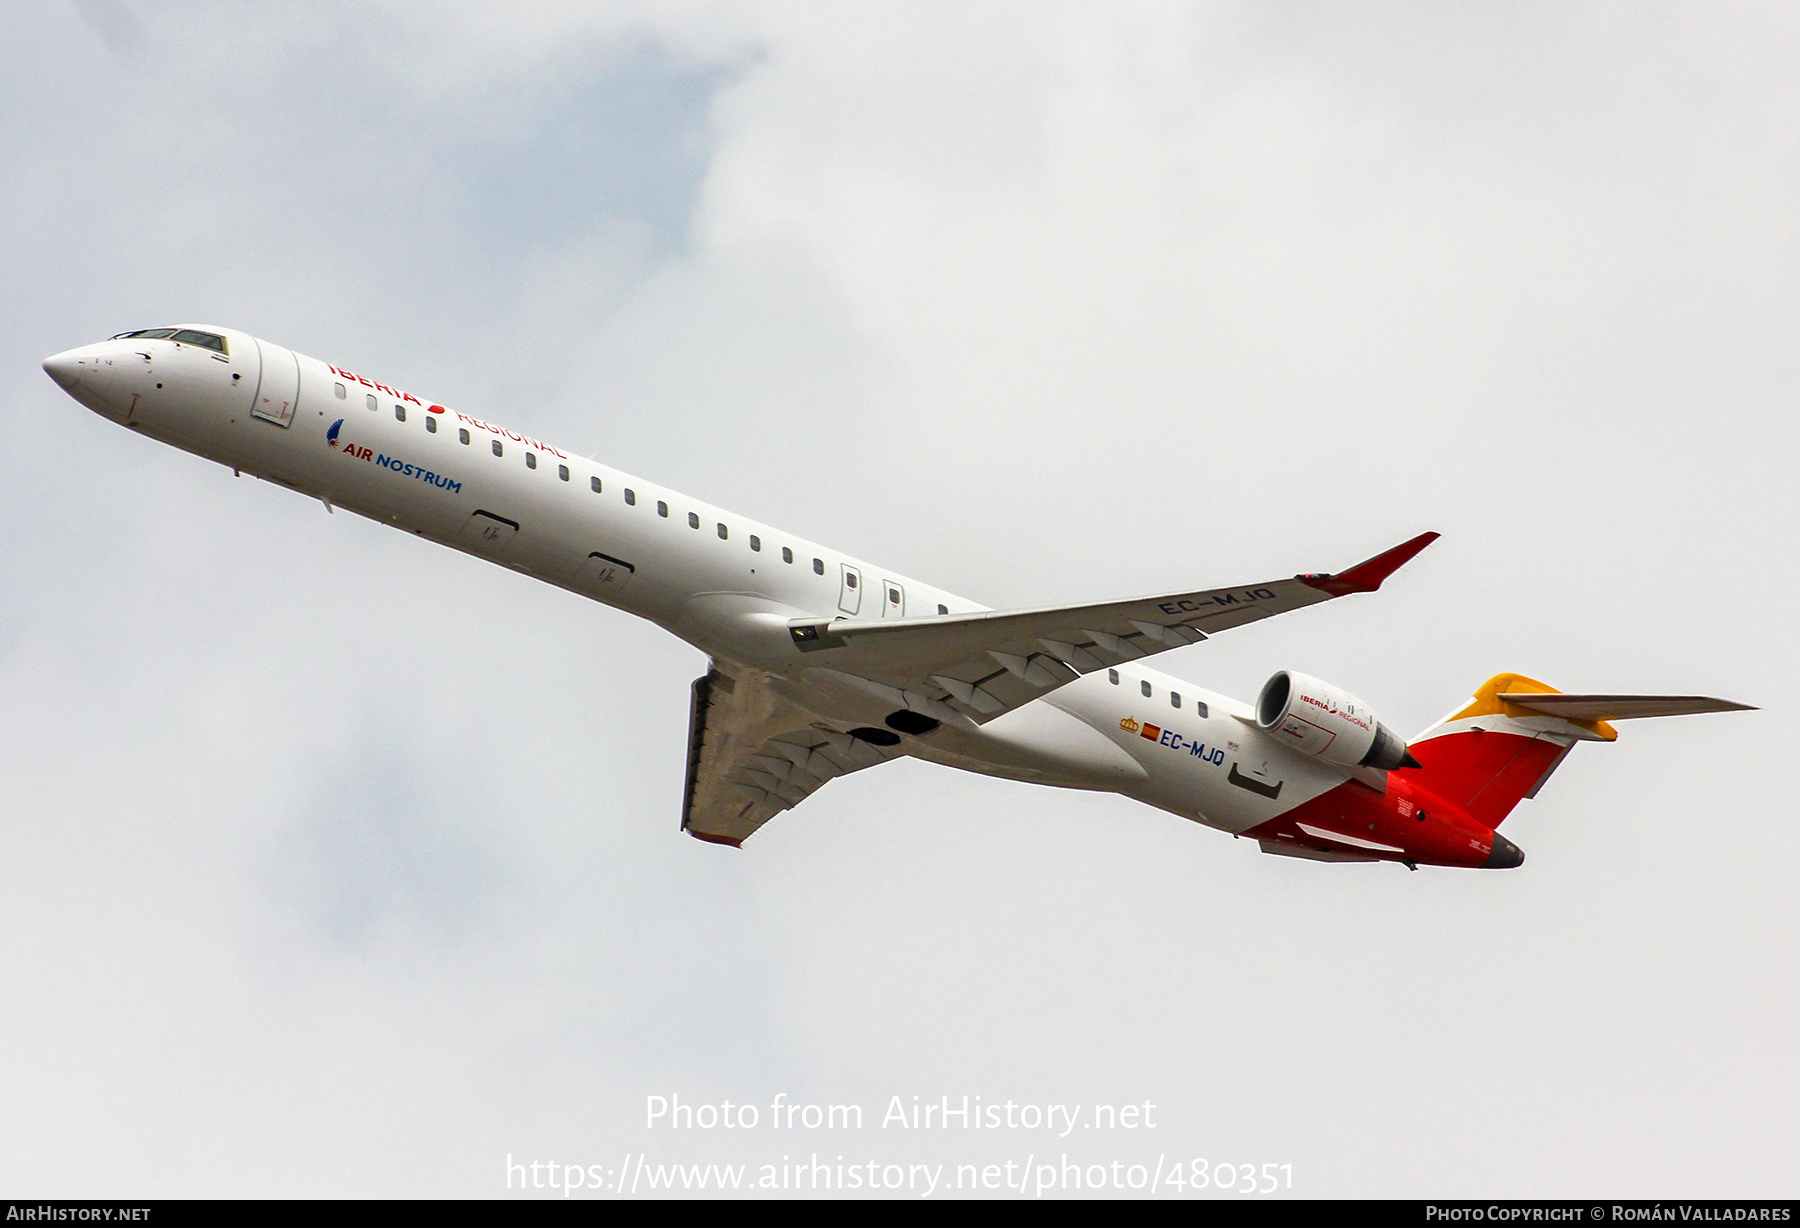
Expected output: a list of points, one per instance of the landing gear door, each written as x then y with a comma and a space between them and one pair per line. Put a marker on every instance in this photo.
893, 600
278, 391
850, 590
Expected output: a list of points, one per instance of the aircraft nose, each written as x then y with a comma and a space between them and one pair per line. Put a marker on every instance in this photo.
64, 368
1505, 855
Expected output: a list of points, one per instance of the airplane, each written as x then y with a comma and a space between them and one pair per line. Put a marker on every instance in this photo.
821, 664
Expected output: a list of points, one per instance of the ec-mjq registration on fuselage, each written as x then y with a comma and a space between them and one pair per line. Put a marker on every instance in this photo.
822, 664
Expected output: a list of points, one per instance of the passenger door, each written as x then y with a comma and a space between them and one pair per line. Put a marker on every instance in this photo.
278, 391
850, 590
893, 600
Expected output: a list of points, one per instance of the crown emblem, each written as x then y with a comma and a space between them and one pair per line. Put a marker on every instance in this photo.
1129, 725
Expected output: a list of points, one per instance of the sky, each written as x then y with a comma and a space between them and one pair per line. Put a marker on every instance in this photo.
334, 863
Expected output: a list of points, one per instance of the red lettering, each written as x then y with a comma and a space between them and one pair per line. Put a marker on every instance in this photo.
416, 401
365, 383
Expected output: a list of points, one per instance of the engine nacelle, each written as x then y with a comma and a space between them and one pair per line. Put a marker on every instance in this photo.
1316, 719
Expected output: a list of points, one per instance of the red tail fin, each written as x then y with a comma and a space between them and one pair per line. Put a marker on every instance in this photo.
1492, 753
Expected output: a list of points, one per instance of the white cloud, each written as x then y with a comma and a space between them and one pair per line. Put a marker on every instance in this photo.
337, 863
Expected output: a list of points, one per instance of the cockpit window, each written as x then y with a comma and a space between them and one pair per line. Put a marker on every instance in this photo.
186, 336
211, 341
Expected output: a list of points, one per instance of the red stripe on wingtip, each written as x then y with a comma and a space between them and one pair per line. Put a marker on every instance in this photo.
710, 839
1367, 575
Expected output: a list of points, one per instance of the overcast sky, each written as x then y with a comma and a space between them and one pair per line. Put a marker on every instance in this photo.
336, 863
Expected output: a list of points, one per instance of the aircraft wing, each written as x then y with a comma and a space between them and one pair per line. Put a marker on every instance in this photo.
986, 664
753, 754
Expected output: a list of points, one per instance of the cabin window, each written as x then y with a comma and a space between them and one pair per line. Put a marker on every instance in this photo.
1146, 687
693, 520
1112, 676
1174, 699
430, 425
594, 485
850, 579
755, 542
723, 533
462, 434
531, 460
339, 391
562, 471
787, 556
370, 402
943, 609
1200, 709
662, 509
818, 567
399, 412
630, 496
498, 450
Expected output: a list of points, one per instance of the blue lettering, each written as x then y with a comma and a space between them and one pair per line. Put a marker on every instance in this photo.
1166, 735
1265, 594
415, 471
1225, 599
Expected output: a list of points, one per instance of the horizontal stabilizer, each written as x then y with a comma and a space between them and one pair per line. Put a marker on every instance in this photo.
1619, 707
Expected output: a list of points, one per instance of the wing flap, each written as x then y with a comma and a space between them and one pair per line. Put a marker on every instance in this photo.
753, 754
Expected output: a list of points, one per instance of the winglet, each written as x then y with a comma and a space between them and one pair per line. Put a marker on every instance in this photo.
1367, 576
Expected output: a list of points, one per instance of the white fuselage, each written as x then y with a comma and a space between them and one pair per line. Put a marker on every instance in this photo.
722, 582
